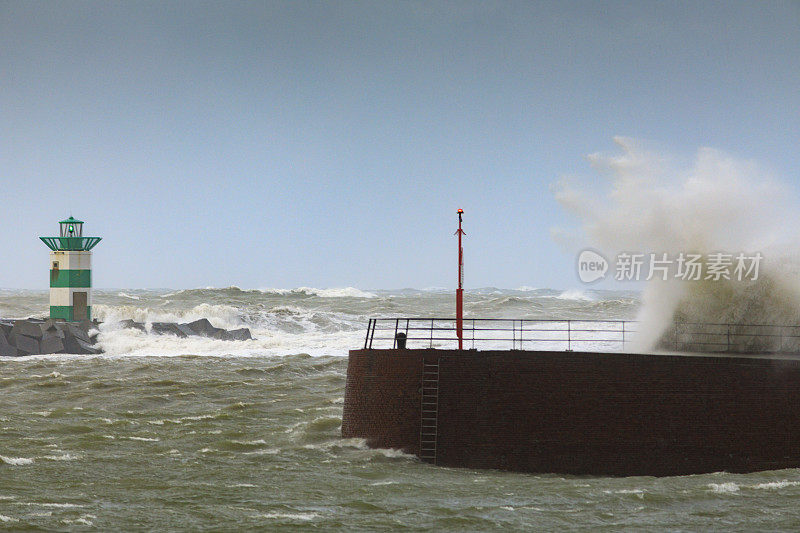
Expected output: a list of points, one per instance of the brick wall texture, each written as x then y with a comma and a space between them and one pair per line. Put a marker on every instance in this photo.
583, 413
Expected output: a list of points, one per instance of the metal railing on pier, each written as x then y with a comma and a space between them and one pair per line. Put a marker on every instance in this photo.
577, 335
732, 338
497, 333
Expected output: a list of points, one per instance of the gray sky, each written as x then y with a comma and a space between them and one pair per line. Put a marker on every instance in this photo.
283, 144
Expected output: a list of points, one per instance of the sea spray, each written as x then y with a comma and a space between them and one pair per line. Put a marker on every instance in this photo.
222, 316
316, 322
715, 204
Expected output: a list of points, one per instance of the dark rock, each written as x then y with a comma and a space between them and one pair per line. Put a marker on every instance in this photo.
132, 324
202, 327
28, 328
89, 349
162, 328
34, 336
71, 345
51, 343
74, 345
51, 327
186, 329
48, 325
241, 334
37, 336
27, 345
74, 330
219, 333
6, 349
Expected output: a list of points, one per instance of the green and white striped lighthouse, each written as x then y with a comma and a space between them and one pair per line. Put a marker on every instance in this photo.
71, 272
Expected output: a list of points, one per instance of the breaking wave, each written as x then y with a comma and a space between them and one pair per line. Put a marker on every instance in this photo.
717, 203
221, 316
129, 296
575, 294
346, 292
304, 320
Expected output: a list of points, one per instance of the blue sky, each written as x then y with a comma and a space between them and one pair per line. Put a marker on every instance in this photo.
284, 144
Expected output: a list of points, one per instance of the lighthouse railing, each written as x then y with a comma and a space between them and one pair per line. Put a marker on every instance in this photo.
577, 335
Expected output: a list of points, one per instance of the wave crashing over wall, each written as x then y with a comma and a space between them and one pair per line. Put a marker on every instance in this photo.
650, 202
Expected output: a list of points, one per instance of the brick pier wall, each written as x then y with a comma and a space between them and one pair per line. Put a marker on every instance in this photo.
583, 413
382, 398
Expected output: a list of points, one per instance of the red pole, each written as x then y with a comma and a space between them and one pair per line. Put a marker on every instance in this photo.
460, 289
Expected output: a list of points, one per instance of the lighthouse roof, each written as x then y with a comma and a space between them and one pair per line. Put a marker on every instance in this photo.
71, 220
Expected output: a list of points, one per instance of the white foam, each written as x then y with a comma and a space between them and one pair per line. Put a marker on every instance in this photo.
624, 491
16, 461
84, 520
268, 341
303, 517
344, 292
171, 294
221, 316
266, 451
128, 296
773, 485
575, 294
59, 505
62, 457
165, 421
199, 417
729, 487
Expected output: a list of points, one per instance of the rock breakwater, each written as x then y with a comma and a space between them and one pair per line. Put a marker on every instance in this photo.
36, 336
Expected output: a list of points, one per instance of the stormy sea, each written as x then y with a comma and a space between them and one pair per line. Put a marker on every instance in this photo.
163, 433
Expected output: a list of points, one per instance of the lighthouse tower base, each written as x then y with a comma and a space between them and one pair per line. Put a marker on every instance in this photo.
70, 285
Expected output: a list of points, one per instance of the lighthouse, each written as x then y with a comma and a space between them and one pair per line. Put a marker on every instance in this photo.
71, 272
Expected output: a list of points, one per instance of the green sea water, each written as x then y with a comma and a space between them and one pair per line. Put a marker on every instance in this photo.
168, 434
206, 443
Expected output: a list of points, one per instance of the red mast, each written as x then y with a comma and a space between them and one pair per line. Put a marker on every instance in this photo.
460, 289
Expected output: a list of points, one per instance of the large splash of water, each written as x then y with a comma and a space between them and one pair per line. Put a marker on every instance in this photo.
649, 202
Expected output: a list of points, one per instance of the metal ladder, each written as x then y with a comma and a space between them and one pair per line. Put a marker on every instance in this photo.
430, 411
